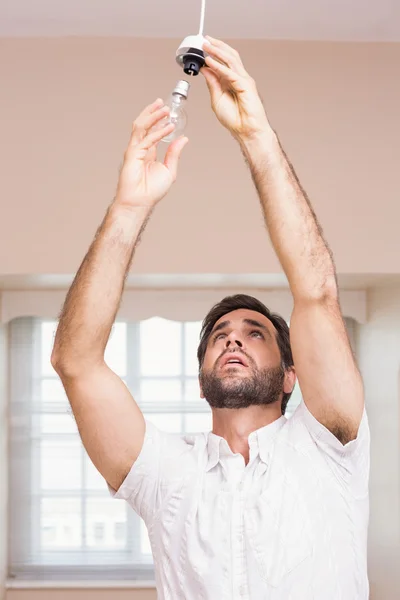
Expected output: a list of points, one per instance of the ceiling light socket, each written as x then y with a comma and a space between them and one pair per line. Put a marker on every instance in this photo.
190, 54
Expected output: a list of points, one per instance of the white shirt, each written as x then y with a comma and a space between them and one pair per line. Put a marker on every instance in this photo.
289, 525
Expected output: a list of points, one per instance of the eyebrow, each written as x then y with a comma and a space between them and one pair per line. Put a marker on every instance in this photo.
254, 323
220, 326
251, 322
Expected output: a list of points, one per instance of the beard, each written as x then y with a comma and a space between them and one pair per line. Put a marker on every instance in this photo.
263, 387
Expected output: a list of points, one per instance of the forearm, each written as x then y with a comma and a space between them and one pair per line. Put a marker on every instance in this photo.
292, 225
93, 300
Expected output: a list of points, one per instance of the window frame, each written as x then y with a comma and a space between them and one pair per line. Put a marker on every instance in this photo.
27, 560
127, 563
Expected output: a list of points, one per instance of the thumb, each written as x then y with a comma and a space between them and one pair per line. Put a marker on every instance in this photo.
212, 81
173, 155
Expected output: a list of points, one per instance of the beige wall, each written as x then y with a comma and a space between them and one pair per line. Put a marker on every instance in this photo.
66, 110
378, 350
3, 463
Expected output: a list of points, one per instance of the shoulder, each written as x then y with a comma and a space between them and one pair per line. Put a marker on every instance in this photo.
173, 449
350, 462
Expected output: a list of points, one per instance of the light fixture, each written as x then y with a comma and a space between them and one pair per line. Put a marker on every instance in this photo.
190, 54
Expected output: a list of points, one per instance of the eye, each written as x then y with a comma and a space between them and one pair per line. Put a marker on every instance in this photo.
256, 334
219, 336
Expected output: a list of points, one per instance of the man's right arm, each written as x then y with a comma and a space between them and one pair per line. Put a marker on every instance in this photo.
110, 423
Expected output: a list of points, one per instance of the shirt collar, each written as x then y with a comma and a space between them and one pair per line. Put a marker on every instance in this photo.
259, 443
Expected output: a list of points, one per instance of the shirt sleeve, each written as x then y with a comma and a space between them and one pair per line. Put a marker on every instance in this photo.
142, 488
350, 461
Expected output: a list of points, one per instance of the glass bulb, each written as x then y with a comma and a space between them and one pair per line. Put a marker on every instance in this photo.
177, 114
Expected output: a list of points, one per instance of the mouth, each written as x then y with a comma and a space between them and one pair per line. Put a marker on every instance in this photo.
234, 361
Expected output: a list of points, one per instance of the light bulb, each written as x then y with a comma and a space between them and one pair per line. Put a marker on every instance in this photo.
177, 114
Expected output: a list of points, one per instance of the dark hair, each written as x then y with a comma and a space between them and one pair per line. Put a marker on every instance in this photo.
231, 303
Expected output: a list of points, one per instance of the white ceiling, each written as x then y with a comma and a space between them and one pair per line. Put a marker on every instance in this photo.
338, 20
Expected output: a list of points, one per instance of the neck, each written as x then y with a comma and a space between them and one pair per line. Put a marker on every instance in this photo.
236, 424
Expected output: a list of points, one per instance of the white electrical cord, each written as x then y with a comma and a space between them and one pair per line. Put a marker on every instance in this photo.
203, 11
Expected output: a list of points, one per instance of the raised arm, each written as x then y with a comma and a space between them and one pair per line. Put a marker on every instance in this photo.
110, 423
329, 379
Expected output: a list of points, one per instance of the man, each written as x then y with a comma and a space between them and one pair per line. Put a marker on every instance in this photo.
263, 507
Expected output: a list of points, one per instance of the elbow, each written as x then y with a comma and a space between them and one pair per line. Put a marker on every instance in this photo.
71, 366
65, 366
59, 362
55, 358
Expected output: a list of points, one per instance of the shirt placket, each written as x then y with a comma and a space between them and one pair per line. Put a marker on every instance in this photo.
240, 589
225, 510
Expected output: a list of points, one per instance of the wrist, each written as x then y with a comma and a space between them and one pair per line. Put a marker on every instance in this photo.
121, 210
264, 141
128, 221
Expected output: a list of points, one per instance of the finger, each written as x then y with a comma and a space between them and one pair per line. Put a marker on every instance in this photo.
212, 80
225, 54
220, 44
151, 108
153, 138
151, 155
222, 72
173, 155
145, 122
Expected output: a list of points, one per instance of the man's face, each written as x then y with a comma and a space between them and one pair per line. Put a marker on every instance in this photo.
242, 363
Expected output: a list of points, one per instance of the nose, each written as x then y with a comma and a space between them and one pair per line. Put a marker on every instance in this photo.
233, 340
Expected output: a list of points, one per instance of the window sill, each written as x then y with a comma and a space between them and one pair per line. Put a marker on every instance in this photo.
127, 585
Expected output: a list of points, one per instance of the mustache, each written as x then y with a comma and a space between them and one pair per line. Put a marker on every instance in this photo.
234, 351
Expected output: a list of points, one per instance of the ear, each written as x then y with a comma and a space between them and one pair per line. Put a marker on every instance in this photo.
290, 380
201, 390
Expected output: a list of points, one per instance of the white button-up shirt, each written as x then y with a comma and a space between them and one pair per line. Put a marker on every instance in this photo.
289, 525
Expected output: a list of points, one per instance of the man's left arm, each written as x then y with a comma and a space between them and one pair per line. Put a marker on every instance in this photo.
329, 379
330, 382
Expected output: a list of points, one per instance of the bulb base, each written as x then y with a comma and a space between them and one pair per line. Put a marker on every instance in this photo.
182, 88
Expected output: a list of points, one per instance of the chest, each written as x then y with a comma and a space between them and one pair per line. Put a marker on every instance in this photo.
264, 517
290, 494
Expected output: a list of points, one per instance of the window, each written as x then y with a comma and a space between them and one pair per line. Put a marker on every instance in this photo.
63, 522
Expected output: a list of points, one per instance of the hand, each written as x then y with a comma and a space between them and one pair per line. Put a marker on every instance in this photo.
234, 95
143, 180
